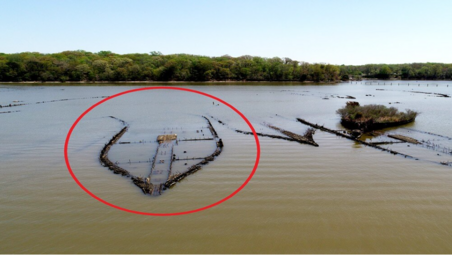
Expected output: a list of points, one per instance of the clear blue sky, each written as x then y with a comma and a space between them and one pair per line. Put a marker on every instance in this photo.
330, 31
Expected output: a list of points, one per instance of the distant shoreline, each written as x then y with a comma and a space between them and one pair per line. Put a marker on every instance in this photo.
231, 82
163, 82
105, 66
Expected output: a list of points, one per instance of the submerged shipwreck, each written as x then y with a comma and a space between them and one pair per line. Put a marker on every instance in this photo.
373, 117
161, 176
365, 124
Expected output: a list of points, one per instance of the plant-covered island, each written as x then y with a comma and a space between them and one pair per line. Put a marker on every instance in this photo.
373, 117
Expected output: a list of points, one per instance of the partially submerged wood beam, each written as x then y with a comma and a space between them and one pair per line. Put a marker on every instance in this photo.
341, 134
105, 161
296, 137
265, 135
404, 139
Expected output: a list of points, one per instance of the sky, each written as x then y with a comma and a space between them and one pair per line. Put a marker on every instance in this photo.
350, 32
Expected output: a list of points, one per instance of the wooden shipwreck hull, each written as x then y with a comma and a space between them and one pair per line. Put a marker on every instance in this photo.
145, 183
367, 126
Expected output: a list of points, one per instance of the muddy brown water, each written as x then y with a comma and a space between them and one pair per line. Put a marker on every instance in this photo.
340, 197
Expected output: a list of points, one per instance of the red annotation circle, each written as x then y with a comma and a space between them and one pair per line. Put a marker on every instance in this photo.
68, 137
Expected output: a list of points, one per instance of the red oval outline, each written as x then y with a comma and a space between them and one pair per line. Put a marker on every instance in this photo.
66, 158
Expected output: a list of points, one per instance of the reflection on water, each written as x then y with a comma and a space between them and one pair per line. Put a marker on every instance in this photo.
338, 197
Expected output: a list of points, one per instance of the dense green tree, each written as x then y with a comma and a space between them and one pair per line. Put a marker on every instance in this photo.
108, 66
385, 72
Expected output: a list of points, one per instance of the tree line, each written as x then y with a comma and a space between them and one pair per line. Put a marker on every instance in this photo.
108, 66
413, 71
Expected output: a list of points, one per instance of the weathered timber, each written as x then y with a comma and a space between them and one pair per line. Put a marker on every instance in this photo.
11, 105
197, 139
428, 133
146, 184
120, 120
382, 143
370, 125
344, 135
265, 135
104, 154
212, 130
436, 147
8, 112
404, 139
161, 166
287, 138
164, 138
179, 159
49, 101
298, 138
428, 93
143, 183
194, 168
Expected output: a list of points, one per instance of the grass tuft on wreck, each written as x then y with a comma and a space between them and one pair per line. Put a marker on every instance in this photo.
372, 117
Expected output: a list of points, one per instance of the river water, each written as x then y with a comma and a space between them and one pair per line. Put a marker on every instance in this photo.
340, 197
